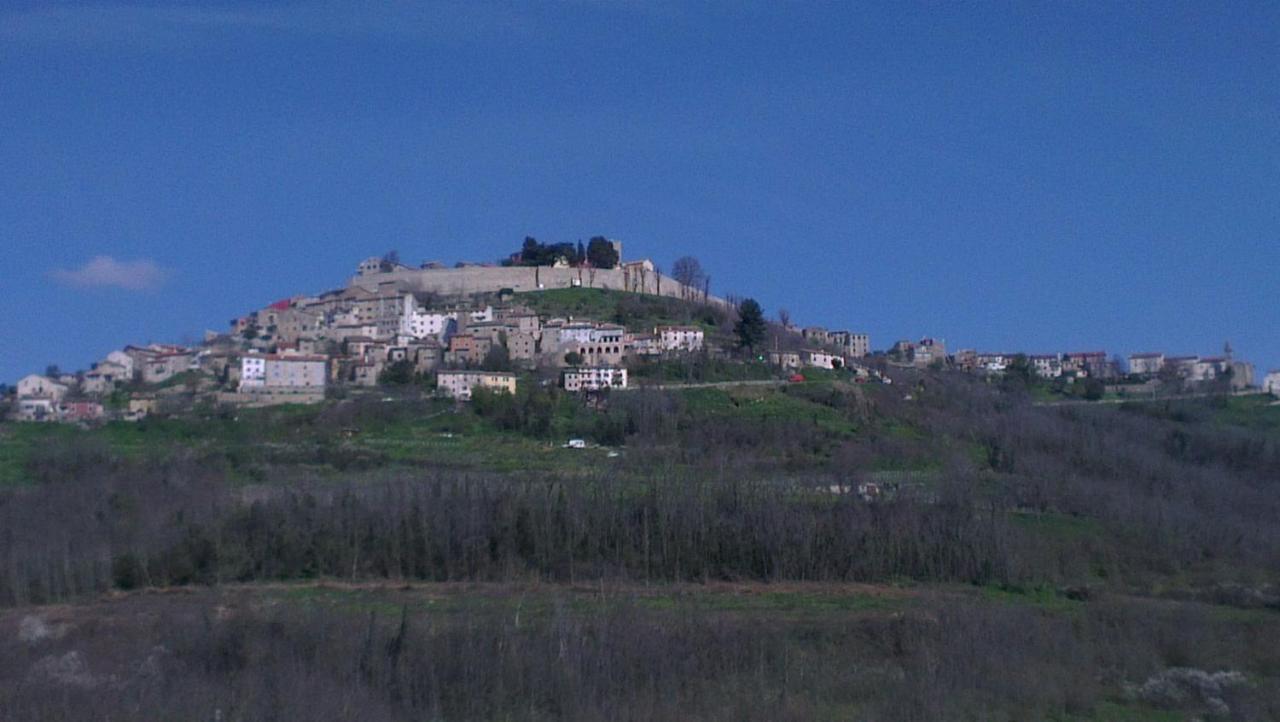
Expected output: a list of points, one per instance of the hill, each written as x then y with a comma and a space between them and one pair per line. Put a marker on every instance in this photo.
872, 526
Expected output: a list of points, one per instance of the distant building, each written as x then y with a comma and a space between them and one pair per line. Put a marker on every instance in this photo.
594, 378
1146, 364
816, 334
35, 386
1047, 366
283, 372
817, 358
1088, 363
928, 352
855, 345
459, 384
785, 359
680, 338
80, 411
1271, 382
161, 367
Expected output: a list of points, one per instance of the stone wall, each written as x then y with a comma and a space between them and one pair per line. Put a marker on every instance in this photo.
491, 279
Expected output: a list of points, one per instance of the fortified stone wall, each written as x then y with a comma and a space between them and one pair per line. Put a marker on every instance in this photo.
491, 279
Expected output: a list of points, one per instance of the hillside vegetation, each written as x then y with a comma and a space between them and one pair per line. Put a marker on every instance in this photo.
941, 548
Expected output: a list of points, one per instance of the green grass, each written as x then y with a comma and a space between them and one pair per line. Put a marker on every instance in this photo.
765, 404
1039, 596
636, 311
1255, 412
254, 444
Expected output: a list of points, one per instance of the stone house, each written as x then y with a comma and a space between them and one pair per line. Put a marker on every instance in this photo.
1146, 364
163, 366
785, 359
855, 345
680, 338
458, 384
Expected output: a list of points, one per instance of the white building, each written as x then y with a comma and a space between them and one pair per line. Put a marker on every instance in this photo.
594, 378
815, 358
1271, 382
35, 386
1146, 364
253, 372
419, 322
459, 384
572, 334
123, 360
680, 338
992, 362
1047, 366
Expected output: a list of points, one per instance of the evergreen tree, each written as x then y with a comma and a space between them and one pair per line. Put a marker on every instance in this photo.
750, 327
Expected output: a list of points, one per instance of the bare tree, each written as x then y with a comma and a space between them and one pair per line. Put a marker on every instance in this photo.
688, 271
784, 318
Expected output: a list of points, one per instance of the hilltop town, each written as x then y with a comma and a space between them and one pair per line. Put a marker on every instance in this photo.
578, 317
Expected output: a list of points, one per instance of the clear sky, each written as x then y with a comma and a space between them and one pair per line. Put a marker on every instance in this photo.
1014, 176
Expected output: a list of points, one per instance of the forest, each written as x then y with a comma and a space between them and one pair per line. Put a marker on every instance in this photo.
942, 548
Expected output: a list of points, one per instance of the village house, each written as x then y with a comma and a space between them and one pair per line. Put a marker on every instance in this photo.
366, 373
1183, 366
140, 406
642, 345
458, 384
594, 378
161, 367
523, 319
785, 359
466, 349
1146, 364
966, 359
1088, 363
816, 334
993, 362
816, 358
604, 345
104, 377
80, 411
125, 362
420, 322
855, 345
680, 338
1271, 382
35, 386
522, 346
1046, 366
929, 351
273, 372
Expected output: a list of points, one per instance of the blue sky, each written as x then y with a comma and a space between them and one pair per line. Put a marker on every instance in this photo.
1013, 176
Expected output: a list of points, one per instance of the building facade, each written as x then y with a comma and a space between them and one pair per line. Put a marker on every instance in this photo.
460, 384
594, 378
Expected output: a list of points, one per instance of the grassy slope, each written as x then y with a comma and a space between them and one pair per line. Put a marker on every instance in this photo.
638, 312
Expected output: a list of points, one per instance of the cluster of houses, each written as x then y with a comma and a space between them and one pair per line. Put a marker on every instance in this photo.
817, 347
1139, 367
294, 350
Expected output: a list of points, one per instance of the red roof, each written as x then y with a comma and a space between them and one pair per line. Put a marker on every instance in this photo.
280, 305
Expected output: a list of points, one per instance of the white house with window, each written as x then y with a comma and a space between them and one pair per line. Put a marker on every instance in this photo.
594, 378
680, 338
